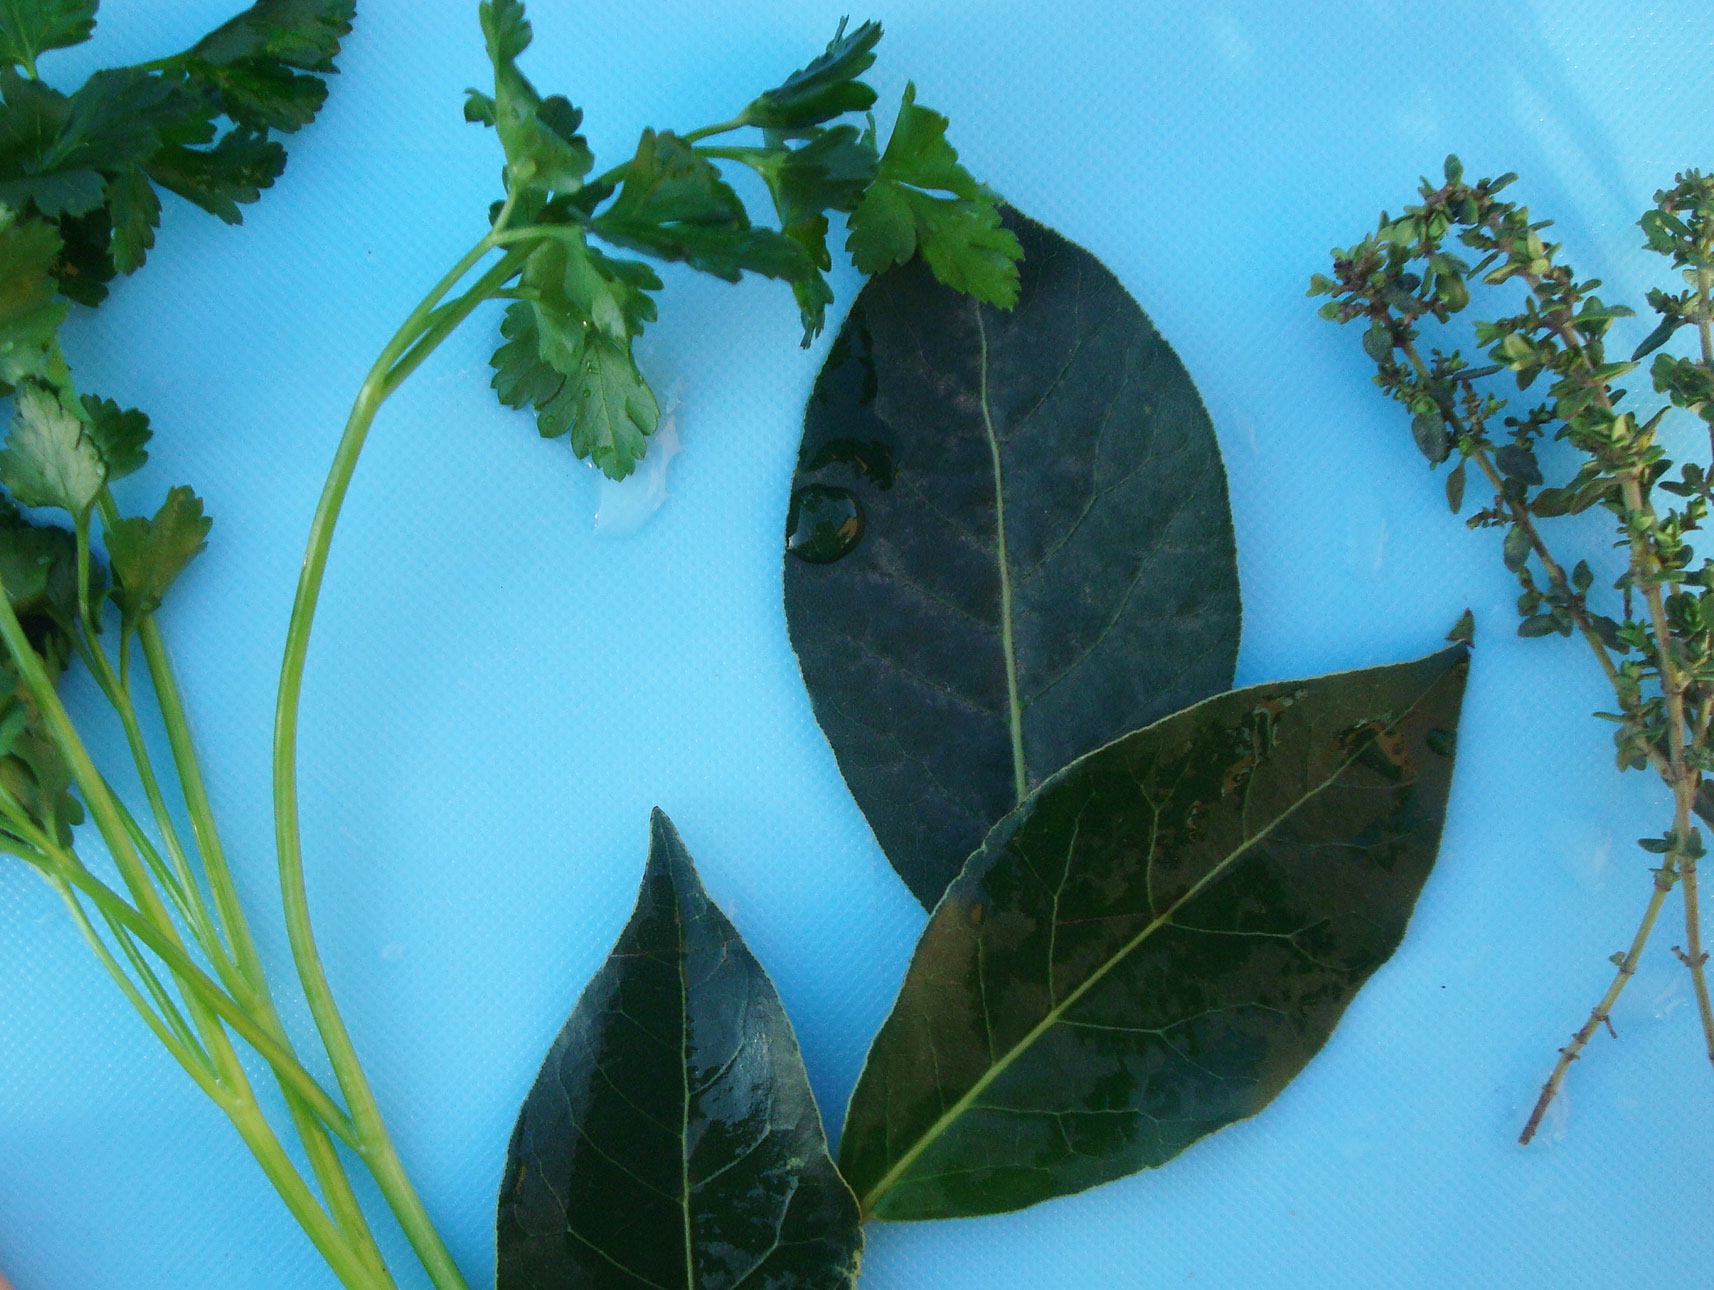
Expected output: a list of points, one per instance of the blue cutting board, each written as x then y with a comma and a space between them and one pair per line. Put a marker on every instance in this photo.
498, 692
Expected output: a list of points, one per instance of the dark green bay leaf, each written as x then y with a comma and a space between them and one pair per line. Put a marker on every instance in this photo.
1156, 942
671, 1141
1009, 544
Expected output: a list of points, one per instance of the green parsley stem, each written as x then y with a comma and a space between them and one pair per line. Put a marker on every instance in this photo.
725, 127
61, 869
240, 967
195, 1062
426, 327
195, 911
149, 922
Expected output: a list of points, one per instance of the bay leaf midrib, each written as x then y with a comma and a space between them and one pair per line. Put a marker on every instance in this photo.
684, 1071
1057, 1012
1014, 709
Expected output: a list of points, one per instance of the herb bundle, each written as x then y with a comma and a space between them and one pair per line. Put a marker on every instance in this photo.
1012, 587
79, 205
1650, 628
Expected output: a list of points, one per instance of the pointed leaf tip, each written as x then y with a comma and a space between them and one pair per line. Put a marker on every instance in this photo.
671, 1138
1156, 942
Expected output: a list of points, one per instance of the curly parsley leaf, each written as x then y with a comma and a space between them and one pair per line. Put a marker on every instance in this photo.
29, 28
827, 88
148, 555
48, 459
958, 234
567, 352
544, 152
119, 434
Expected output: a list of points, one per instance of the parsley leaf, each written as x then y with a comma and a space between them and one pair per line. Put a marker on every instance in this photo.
148, 555
32, 27
32, 128
567, 340
91, 161
959, 235
674, 205
220, 179
30, 314
827, 88
119, 435
38, 567
34, 769
134, 212
544, 152
830, 172
297, 33
568, 352
48, 459
267, 63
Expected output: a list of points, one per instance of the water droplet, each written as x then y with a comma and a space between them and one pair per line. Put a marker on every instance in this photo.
824, 524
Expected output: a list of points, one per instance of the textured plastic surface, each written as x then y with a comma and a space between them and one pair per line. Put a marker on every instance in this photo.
497, 695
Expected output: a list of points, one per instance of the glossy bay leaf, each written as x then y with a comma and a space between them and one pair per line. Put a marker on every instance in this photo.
1156, 942
671, 1141
1009, 544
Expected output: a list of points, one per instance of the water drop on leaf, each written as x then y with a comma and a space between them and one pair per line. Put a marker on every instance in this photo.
824, 523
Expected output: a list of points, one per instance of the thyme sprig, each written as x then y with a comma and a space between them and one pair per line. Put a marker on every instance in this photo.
1652, 635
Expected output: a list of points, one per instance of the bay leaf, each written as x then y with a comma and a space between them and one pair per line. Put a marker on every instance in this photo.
1008, 544
671, 1141
1156, 942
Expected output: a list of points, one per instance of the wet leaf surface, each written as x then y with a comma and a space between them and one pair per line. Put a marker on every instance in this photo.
671, 1141
1156, 942
1070, 421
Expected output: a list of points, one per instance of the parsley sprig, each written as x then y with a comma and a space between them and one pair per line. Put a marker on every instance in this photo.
569, 247
199, 124
81, 181
568, 338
